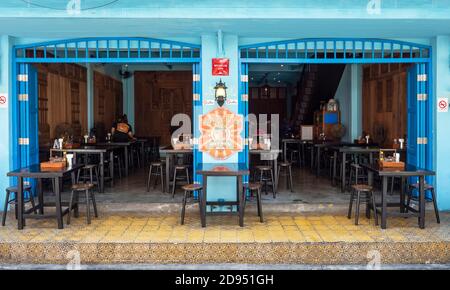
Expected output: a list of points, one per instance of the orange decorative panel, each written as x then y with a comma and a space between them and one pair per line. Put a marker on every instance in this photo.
220, 132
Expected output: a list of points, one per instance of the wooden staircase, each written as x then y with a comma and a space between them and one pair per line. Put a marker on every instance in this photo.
318, 83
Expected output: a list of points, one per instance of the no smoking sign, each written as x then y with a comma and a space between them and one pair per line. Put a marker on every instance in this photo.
442, 105
3, 100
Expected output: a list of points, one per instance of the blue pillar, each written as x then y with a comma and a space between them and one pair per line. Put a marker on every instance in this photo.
441, 88
90, 96
6, 43
356, 102
128, 99
219, 187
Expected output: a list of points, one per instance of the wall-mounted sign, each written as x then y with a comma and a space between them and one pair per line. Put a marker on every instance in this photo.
442, 104
220, 66
3, 100
220, 131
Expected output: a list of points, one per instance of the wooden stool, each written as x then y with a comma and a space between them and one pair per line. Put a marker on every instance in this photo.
288, 167
15, 190
265, 175
158, 172
254, 187
356, 171
369, 198
118, 164
295, 156
189, 189
76, 189
175, 178
92, 168
427, 187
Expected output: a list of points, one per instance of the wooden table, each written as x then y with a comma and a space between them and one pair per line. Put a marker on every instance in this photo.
222, 169
350, 150
301, 148
273, 153
95, 149
410, 171
125, 146
34, 171
170, 152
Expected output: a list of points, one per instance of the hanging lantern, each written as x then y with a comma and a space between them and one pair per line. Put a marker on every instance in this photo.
221, 93
265, 91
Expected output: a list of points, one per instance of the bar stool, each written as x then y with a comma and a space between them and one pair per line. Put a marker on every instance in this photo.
265, 175
158, 173
356, 170
181, 168
427, 187
93, 169
118, 164
287, 167
295, 156
189, 190
368, 198
254, 187
87, 188
15, 190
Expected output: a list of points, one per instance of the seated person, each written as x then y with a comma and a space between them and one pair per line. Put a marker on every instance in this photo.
121, 130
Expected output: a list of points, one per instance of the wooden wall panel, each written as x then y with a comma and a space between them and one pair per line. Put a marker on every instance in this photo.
384, 102
62, 100
274, 104
108, 102
159, 96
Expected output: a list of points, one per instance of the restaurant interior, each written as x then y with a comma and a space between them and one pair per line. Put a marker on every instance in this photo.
298, 93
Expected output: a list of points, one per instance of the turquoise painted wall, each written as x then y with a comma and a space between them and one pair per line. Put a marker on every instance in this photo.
349, 95
441, 64
6, 43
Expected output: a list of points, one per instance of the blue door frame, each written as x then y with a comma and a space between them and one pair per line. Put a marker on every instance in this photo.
357, 51
24, 131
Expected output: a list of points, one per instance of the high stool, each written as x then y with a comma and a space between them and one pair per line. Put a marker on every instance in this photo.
181, 168
427, 187
368, 198
356, 171
15, 190
189, 189
93, 169
295, 156
251, 187
87, 188
287, 167
265, 175
135, 155
158, 173
118, 165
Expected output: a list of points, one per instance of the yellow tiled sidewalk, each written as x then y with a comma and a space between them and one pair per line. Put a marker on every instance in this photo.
287, 238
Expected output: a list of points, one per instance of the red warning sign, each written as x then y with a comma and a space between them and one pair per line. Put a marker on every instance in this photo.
220, 66
442, 105
3, 100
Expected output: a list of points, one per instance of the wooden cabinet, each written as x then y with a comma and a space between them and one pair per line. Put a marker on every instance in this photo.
324, 121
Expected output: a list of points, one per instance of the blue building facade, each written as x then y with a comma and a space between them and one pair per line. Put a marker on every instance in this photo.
245, 32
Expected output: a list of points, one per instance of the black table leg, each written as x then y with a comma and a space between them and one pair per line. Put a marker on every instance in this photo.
111, 166
275, 170
40, 193
335, 155
203, 201
20, 205
421, 202
58, 204
318, 162
167, 172
343, 173
384, 203
102, 172
125, 148
402, 195
284, 151
241, 200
